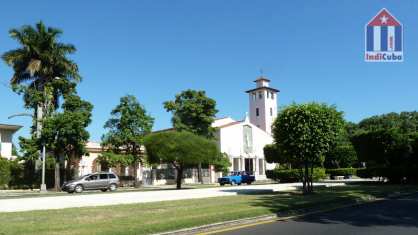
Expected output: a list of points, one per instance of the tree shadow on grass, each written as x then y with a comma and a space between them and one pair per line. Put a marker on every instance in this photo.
245, 191
394, 212
398, 212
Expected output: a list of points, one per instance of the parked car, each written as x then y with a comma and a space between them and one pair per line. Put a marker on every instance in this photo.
236, 177
97, 181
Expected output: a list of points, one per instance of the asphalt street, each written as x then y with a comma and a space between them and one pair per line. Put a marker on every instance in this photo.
394, 216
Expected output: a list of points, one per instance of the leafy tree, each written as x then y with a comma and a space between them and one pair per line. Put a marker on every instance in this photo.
342, 154
66, 135
271, 154
42, 74
29, 148
180, 149
222, 163
386, 140
194, 112
382, 147
405, 122
127, 127
387, 143
304, 134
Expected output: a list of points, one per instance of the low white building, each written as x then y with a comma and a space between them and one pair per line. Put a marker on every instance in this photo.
243, 141
6, 137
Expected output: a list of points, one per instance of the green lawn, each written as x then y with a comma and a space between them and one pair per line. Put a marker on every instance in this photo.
165, 216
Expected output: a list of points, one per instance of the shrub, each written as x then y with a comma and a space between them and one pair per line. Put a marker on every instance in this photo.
293, 175
367, 172
127, 177
4, 172
393, 174
16, 174
341, 171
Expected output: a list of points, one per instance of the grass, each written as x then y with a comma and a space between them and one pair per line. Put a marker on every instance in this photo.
156, 217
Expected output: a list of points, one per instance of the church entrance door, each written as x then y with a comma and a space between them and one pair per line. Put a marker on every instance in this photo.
249, 165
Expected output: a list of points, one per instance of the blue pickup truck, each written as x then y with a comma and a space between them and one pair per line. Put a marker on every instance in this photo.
236, 177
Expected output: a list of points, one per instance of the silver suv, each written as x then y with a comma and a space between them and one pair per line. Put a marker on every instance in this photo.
99, 180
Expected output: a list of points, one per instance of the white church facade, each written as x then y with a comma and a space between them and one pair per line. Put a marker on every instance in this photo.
243, 141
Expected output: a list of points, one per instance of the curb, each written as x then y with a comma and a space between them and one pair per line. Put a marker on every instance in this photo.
265, 219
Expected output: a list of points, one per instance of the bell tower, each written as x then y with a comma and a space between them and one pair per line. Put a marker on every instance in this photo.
263, 104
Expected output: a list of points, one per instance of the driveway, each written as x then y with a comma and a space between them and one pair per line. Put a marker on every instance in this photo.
395, 216
80, 200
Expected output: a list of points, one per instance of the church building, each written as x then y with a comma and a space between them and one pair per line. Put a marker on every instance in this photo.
243, 141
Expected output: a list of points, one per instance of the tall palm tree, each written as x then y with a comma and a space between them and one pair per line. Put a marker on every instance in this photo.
38, 63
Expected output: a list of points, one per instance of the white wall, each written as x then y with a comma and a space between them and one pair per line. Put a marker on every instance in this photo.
264, 120
231, 142
6, 143
86, 164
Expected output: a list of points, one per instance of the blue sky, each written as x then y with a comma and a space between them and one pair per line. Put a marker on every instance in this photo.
311, 50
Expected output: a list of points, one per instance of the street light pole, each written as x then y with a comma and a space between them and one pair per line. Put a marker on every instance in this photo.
43, 185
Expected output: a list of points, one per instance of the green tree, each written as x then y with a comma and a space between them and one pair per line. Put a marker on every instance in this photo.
405, 122
386, 140
222, 163
42, 69
66, 135
194, 112
181, 150
342, 154
42, 72
127, 127
30, 154
382, 148
304, 134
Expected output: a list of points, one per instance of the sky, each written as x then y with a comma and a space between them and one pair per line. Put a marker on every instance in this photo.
310, 50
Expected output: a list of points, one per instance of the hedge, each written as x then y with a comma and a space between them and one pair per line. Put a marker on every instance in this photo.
4, 172
406, 174
293, 175
341, 171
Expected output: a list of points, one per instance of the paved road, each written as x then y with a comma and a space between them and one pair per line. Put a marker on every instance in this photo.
391, 217
83, 200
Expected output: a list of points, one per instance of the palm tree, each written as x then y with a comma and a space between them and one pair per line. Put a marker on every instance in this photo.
42, 70
38, 64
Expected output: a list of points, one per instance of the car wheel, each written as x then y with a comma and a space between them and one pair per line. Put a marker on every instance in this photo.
249, 183
103, 189
222, 184
239, 184
112, 187
78, 188
233, 182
